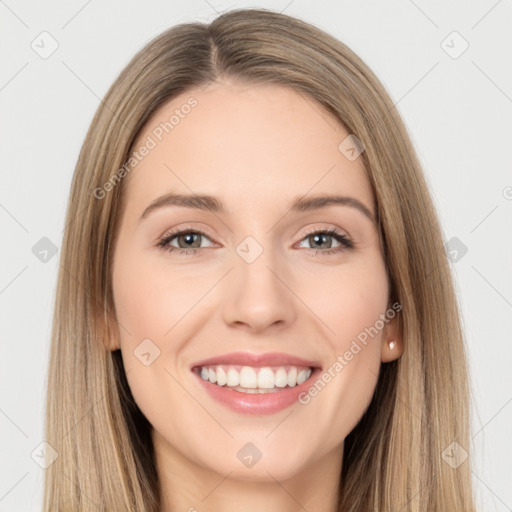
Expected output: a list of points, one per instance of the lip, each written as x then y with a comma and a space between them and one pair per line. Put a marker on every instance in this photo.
259, 404
257, 360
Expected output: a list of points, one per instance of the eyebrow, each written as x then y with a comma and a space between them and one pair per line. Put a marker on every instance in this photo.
214, 204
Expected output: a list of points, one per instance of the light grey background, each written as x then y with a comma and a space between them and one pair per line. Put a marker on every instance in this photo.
458, 112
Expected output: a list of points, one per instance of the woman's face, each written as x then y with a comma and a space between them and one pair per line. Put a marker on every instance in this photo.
260, 278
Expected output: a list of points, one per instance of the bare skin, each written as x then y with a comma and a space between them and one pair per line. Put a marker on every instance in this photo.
255, 148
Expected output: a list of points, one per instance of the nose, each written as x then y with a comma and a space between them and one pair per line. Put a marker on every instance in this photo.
259, 295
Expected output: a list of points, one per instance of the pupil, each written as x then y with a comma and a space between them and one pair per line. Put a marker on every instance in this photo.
318, 237
189, 238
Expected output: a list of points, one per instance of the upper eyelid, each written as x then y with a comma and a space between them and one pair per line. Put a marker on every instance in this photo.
325, 230
186, 229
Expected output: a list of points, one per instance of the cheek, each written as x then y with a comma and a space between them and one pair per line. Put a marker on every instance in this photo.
149, 303
139, 305
351, 304
348, 299
149, 298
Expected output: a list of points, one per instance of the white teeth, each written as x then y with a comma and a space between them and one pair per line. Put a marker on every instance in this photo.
248, 378
221, 377
233, 378
302, 376
292, 377
255, 380
265, 378
281, 378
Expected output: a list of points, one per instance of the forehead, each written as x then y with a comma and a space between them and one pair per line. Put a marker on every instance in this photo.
254, 145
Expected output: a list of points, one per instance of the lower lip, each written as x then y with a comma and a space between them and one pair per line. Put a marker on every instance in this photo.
265, 403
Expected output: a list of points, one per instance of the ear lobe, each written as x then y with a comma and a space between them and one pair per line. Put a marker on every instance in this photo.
392, 341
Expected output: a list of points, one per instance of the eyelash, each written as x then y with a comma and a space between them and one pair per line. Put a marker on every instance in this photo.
345, 242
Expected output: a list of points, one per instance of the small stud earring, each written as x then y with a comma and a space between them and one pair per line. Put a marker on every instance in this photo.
391, 345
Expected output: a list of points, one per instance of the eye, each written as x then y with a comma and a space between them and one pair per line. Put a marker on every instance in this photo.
319, 237
188, 241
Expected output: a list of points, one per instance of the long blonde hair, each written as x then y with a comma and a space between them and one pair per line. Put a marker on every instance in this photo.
394, 459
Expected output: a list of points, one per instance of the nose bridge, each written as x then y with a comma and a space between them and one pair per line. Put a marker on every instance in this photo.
258, 296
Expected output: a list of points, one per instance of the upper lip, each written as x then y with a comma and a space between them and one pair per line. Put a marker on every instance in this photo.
257, 360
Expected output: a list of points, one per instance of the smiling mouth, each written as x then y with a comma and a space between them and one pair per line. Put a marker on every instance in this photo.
254, 380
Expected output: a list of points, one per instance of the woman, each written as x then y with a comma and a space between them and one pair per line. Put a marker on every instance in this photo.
207, 356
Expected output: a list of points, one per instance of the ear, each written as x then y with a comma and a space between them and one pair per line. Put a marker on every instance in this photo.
392, 340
